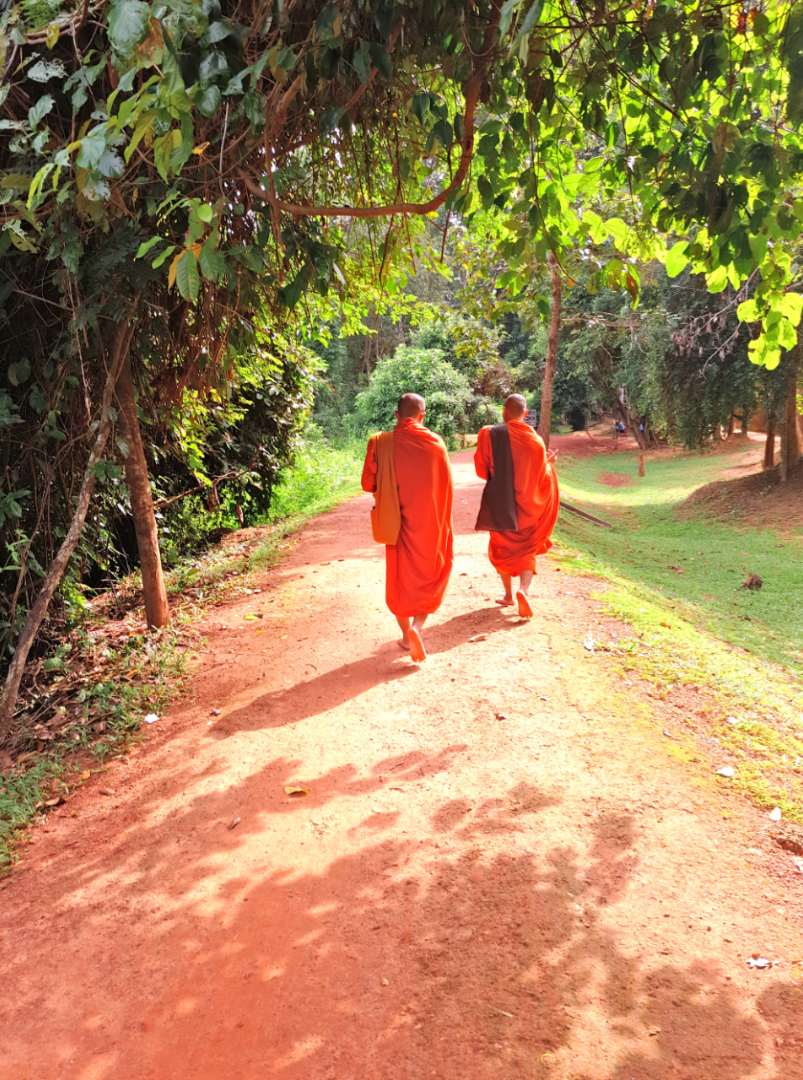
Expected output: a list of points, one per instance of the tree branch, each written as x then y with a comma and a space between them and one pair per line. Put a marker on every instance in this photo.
473, 87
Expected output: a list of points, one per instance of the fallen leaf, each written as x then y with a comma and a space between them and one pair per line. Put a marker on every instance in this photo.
385, 982
500, 716
255, 615
478, 637
296, 790
234, 823
756, 961
214, 712
85, 775
667, 625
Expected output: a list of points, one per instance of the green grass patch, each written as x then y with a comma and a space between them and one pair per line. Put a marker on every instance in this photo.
698, 628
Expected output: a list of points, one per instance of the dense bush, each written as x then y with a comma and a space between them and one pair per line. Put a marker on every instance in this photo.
417, 371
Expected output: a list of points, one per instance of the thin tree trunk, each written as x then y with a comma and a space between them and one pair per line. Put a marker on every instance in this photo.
157, 610
59, 565
790, 444
745, 423
769, 446
545, 423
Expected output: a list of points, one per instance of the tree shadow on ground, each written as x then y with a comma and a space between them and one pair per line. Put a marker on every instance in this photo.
413, 956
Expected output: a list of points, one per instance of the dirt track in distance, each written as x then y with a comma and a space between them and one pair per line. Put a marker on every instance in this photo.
498, 869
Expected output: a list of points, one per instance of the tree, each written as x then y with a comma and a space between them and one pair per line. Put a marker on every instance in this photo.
208, 158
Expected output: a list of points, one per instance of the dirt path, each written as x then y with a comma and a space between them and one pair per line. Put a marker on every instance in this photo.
460, 895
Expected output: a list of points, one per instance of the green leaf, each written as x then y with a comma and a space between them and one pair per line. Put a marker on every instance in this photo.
91, 150
382, 61
421, 107
146, 246
212, 263
747, 311
530, 20
18, 373
129, 22
330, 118
506, 16
676, 259
362, 62
157, 262
37, 398
717, 280
208, 99
791, 306
187, 277
38, 111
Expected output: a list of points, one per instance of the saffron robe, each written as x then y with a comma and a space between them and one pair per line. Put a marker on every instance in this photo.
537, 499
418, 565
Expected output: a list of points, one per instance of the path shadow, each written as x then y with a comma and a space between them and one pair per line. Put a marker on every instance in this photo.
310, 697
395, 961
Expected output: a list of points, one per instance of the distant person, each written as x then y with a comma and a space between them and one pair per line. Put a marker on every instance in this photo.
408, 469
520, 501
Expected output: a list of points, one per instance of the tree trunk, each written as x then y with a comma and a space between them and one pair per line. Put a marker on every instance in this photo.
157, 610
731, 426
545, 423
745, 423
769, 446
790, 444
59, 565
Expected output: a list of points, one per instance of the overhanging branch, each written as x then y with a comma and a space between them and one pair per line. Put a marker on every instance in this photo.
479, 71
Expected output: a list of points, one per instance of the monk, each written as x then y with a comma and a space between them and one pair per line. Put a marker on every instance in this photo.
520, 501
420, 561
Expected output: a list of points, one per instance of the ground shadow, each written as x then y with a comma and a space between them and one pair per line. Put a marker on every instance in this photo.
398, 960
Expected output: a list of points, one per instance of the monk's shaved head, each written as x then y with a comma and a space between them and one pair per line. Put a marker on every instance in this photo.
411, 406
516, 406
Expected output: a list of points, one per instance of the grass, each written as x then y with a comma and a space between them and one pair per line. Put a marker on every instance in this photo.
698, 628
697, 565
112, 675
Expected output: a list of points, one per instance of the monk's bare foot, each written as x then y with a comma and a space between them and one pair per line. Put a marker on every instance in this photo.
403, 644
525, 611
505, 601
417, 651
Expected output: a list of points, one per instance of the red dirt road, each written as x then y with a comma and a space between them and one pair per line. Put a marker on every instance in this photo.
543, 894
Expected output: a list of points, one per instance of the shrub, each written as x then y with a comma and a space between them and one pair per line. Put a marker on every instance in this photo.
416, 371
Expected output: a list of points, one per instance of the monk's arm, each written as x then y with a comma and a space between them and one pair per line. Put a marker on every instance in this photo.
369, 468
482, 455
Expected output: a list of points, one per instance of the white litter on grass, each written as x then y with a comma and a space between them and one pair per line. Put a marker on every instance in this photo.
776, 815
728, 771
151, 718
733, 719
588, 642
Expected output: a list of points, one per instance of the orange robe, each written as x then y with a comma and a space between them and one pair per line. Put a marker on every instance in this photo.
418, 565
537, 500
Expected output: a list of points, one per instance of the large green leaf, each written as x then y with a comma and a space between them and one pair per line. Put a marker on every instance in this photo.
362, 62
208, 99
129, 21
187, 277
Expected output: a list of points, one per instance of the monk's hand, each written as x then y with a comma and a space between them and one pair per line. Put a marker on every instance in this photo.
550, 456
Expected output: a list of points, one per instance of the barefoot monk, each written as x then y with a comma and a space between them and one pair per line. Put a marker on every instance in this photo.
408, 469
520, 501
